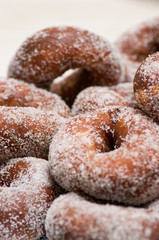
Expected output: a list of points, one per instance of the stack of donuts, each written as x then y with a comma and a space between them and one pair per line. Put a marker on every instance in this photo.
79, 130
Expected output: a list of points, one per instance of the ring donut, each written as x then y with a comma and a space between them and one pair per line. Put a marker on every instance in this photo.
50, 52
126, 90
26, 132
72, 217
26, 192
146, 86
93, 98
20, 94
110, 154
137, 43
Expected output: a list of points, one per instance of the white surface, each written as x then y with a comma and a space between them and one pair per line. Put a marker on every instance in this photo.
20, 19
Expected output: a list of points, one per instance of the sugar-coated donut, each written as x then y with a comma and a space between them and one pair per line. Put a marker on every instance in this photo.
50, 52
18, 93
26, 192
72, 217
126, 90
111, 154
137, 43
146, 86
26, 132
93, 98
69, 84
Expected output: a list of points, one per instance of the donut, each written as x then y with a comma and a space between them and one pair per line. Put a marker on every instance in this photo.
68, 85
146, 86
137, 43
93, 98
26, 132
18, 93
126, 90
72, 217
50, 52
26, 192
110, 154
154, 205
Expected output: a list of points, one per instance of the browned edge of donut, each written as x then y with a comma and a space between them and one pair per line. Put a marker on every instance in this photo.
72, 217
26, 192
146, 86
137, 43
50, 52
18, 93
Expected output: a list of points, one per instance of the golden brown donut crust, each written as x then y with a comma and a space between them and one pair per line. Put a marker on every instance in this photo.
17, 93
26, 192
26, 132
52, 51
126, 90
137, 43
72, 217
146, 86
93, 98
110, 154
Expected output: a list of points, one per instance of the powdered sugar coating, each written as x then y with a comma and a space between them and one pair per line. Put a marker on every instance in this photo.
126, 90
18, 93
137, 43
72, 217
154, 205
146, 86
93, 98
26, 192
52, 51
26, 131
110, 154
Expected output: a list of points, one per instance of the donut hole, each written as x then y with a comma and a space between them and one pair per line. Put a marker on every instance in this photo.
121, 131
70, 83
13, 175
111, 136
115, 141
118, 134
108, 143
112, 144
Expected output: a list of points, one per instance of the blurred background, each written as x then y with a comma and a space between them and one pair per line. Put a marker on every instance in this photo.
110, 18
